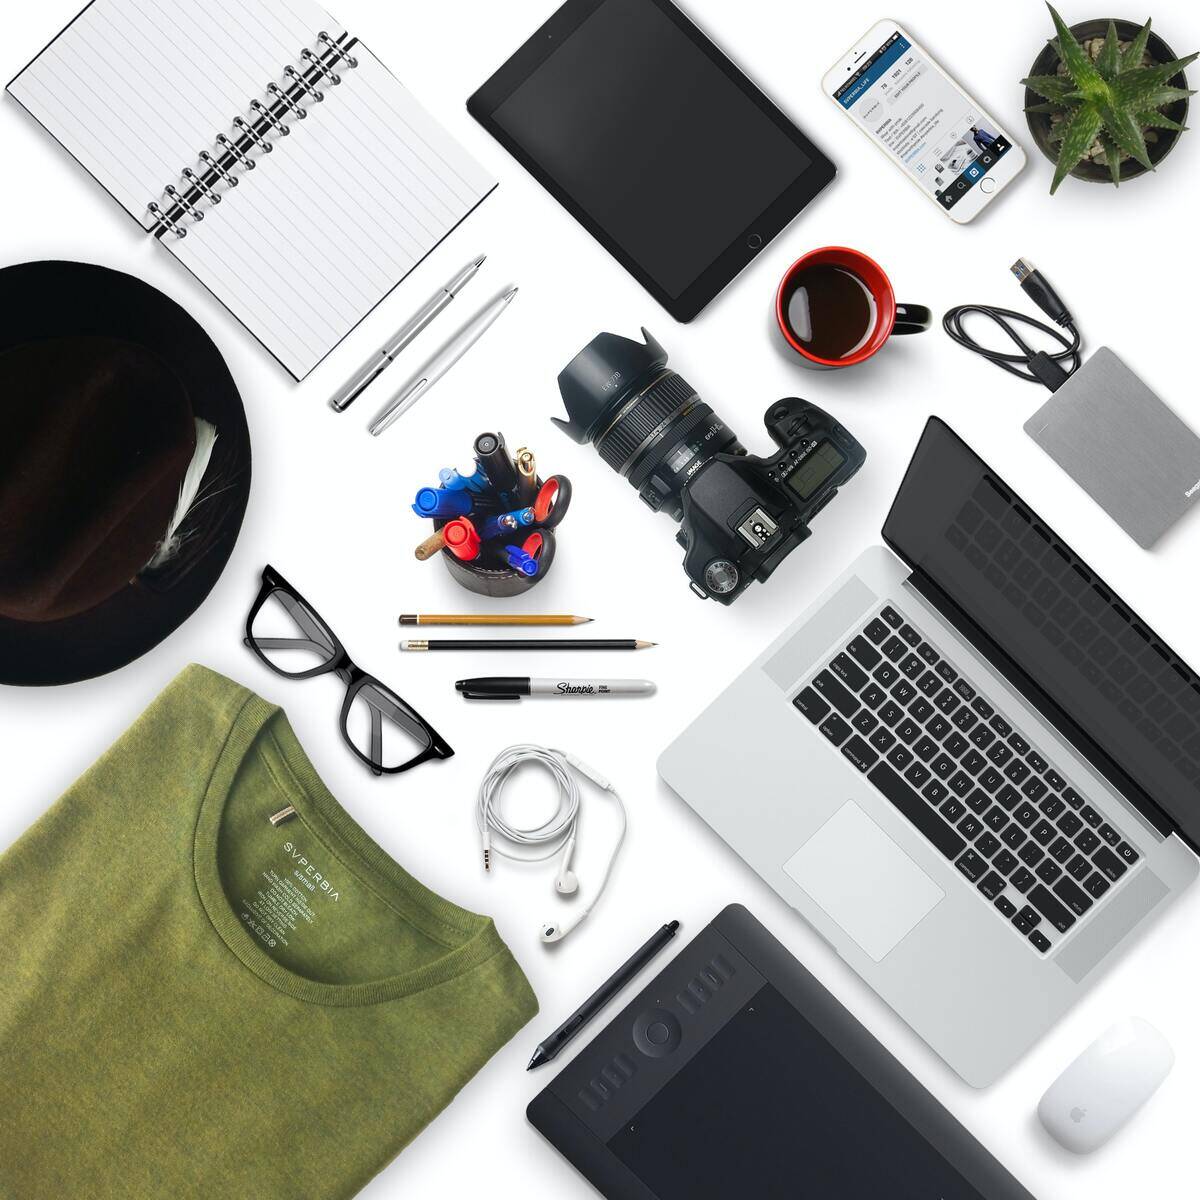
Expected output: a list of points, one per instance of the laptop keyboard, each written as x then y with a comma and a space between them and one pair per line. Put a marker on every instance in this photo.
1037, 851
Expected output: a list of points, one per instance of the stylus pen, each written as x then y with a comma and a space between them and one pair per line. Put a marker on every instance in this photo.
441, 362
526, 644
378, 363
513, 687
551, 1047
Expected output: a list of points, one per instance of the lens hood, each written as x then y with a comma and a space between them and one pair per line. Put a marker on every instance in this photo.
600, 377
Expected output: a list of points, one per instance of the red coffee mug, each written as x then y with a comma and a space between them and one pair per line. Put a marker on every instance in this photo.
889, 317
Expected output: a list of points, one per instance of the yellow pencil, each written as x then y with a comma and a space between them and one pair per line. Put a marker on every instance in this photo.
492, 619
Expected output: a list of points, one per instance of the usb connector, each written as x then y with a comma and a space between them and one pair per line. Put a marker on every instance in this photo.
1033, 284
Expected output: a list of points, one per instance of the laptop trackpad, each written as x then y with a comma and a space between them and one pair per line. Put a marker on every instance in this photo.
863, 880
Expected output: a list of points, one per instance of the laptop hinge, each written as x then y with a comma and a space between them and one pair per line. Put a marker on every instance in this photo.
1062, 722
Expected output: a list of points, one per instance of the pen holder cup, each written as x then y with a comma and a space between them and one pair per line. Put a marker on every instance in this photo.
498, 582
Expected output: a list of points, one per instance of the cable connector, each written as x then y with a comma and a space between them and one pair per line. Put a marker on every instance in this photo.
590, 772
487, 849
1034, 285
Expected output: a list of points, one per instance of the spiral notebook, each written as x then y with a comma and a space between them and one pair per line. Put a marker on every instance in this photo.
265, 147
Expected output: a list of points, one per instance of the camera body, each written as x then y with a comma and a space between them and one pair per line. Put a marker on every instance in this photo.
740, 515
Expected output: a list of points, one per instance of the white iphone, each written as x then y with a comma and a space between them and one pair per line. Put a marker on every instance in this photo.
923, 121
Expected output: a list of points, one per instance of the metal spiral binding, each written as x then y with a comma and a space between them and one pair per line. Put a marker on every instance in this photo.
266, 120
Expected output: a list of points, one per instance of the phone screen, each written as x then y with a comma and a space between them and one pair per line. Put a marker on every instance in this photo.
937, 134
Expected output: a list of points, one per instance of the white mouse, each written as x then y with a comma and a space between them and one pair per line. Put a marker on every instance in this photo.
1098, 1093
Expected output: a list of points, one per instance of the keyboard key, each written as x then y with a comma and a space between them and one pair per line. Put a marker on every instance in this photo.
1070, 824
1008, 796
947, 672
854, 676
836, 694
1109, 863
929, 654
935, 792
874, 696
1052, 909
1034, 788
1052, 806
890, 713
876, 631
987, 844
882, 740
952, 810
999, 754
920, 709
1006, 907
910, 635
865, 720
864, 653
955, 744
892, 617
903, 692
1013, 837
911, 806
1072, 896
885, 674
991, 885
1005, 862
1091, 816
1000, 725
1048, 871
1042, 832
1039, 941
917, 774
939, 727
1072, 797
811, 705
970, 826
1027, 918
978, 802
899, 757
1018, 743
983, 708
860, 754
965, 720
911, 666
1087, 841
982, 736
895, 649
1061, 850
996, 818
1079, 868
835, 729
1017, 771
1025, 814
1055, 780
1126, 853
1031, 854
1109, 834
908, 731
1023, 879
926, 748
961, 783
991, 779
930, 684
973, 761
1097, 885
1036, 761
965, 690
942, 765
971, 865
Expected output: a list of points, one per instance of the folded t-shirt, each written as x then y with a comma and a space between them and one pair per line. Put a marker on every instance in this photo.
196, 1002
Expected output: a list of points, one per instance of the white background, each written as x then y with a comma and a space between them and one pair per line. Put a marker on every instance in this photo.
329, 508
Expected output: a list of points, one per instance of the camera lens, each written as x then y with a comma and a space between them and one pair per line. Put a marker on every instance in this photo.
647, 422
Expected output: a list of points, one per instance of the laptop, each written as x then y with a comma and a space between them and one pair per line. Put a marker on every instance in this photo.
970, 765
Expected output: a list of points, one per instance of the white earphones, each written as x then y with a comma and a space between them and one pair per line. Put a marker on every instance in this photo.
559, 832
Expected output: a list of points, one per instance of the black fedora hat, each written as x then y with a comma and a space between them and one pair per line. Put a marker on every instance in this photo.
105, 386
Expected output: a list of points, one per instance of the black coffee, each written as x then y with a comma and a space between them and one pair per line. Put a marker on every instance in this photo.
830, 311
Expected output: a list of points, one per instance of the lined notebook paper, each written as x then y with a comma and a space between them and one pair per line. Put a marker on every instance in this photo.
267, 149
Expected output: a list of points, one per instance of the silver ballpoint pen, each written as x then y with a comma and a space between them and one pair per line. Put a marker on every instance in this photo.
440, 363
378, 363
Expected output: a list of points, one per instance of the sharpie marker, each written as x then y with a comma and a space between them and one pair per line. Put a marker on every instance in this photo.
505, 687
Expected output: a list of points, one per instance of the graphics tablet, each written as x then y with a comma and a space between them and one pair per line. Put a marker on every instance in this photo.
735, 1073
654, 141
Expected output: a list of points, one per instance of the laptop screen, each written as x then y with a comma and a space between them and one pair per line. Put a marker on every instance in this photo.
959, 524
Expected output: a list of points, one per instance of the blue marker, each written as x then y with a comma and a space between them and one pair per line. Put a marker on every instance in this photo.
520, 561
439, 502
452, 481
508, 522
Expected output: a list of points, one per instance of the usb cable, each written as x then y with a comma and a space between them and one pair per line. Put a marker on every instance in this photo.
1051, 368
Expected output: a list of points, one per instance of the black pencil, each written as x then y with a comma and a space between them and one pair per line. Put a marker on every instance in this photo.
526, 644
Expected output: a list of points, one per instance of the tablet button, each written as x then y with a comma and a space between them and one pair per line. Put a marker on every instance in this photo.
754, 241
987, 185
657, 1034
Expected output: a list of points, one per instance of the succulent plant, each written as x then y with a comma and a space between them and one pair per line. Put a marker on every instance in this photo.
1107, 99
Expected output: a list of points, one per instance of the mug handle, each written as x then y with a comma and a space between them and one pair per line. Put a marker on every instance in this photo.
912, 318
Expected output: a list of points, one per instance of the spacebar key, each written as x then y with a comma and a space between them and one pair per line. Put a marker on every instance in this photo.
924, 817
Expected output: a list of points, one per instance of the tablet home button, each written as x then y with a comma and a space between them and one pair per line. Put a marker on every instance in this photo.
987, 185
657, 1034
754, 241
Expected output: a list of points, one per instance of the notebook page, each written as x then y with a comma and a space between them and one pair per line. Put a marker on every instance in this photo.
339, 211
132, 88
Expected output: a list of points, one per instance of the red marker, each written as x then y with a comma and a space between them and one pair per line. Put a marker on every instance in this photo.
461, 539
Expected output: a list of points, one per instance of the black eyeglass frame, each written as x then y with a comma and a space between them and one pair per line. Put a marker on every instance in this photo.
344, 667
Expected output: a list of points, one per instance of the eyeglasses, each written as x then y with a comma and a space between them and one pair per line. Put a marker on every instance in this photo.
292, 638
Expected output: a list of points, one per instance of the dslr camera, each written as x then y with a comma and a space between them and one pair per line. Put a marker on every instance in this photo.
740, 515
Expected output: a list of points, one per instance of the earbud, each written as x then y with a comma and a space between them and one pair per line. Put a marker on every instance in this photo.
555, 931
566, 882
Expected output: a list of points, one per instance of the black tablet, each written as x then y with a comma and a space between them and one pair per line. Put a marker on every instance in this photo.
736, 1074
657, 144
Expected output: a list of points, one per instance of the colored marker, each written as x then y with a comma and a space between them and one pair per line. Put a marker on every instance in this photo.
461, 539
442, 502
494, 527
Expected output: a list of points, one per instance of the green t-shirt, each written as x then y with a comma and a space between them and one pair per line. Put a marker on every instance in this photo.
195, 1002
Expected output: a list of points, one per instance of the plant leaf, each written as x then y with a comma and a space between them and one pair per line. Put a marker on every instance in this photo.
1136, 49
1051, 106
1127, 133
1109, 62
1112, 158
1051, 87
1079, 132
1131, 86
1077, 60
1155, 120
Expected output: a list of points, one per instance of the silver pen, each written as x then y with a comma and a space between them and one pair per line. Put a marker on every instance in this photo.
440, 363
378, 363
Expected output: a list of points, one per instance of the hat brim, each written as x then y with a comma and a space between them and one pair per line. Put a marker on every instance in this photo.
64, 299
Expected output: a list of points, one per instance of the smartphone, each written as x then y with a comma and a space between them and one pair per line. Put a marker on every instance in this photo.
940, 137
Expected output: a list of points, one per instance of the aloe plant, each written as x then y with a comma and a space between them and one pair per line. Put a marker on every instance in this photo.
1107, 101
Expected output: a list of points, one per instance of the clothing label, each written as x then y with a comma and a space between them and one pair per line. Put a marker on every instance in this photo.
288, 899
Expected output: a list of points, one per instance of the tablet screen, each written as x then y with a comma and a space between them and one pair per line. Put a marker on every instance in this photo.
652, 140
770, 1110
